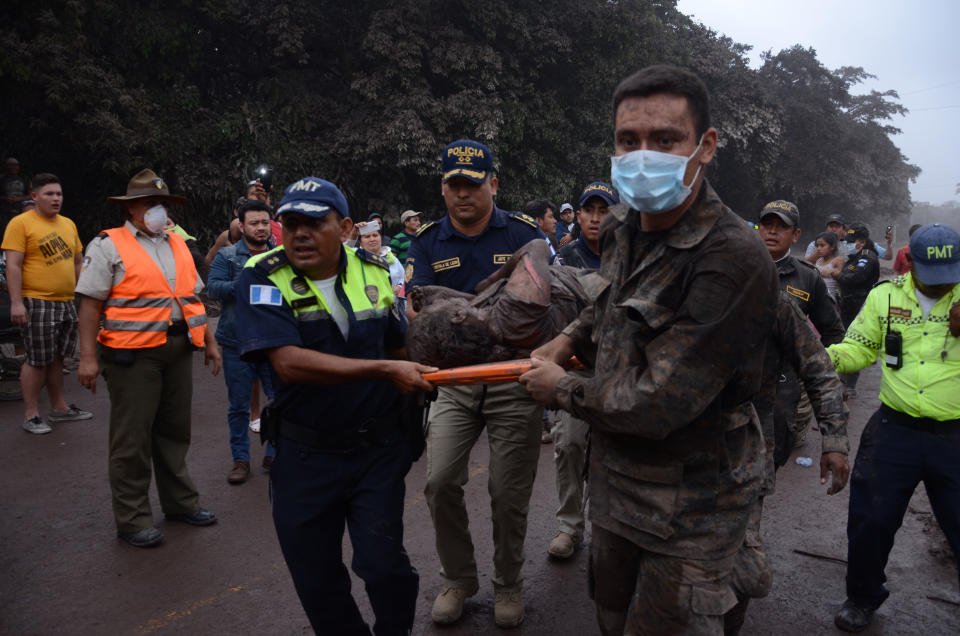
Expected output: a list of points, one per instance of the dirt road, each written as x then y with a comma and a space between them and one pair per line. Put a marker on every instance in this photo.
63, 571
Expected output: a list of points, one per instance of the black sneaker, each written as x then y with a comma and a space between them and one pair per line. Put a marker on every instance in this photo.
853, 617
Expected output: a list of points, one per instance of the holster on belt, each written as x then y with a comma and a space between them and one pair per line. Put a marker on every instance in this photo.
119, 357
269, 424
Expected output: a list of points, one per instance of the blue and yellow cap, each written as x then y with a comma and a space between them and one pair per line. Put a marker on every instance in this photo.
599, 189
312, 196
935, 250
467, 158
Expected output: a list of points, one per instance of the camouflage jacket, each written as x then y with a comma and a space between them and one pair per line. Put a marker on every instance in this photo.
676, 341
795, 354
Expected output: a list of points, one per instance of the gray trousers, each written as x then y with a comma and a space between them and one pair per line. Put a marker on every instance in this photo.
569, 456
513, 423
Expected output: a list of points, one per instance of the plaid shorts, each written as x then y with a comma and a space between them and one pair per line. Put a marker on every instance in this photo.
50, 332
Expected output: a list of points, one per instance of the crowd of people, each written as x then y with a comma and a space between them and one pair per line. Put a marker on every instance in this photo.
704, 352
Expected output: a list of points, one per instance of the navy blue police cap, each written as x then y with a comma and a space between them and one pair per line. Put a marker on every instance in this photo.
469, 159
935, 250
315, 197
599, 189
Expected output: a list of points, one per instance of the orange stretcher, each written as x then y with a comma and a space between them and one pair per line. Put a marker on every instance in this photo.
488, 373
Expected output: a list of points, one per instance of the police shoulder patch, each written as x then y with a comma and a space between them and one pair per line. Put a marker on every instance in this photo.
271, 261
524, 218
424, 228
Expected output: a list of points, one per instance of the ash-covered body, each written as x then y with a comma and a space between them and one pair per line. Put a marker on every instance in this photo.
517, 308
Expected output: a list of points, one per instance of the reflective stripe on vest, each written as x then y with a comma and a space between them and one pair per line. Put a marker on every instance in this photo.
136, 315
361, 280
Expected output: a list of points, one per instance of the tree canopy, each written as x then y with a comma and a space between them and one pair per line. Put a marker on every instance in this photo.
368, 93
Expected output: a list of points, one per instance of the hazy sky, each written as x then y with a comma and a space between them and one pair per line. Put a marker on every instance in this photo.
912, 48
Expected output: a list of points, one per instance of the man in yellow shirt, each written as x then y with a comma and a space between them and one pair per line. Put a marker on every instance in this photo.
43, 261
912, 323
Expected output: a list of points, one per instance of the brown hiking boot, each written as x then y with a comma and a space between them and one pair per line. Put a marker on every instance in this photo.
239, 474
448, 606
562, 546
508, 609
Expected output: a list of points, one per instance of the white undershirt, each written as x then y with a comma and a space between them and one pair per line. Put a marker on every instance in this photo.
327, 288
926, 303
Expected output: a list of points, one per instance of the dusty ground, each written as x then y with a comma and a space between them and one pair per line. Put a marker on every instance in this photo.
62, 570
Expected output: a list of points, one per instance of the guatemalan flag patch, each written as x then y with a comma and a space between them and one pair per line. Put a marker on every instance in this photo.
265, 295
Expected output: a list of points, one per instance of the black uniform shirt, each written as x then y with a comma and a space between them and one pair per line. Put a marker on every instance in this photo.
803, 282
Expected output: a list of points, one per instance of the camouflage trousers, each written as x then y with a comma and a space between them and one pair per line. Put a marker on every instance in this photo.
752, 574
640, 592
805, 419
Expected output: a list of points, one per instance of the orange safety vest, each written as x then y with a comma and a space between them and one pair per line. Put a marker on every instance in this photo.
136, 315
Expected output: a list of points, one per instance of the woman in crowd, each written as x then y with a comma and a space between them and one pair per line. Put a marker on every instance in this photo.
372, 241
828, 261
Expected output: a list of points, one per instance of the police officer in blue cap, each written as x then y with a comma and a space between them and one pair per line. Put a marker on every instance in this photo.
468, 244
595, 202
325, 317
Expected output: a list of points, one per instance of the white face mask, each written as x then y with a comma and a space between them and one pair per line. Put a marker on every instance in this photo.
156, 218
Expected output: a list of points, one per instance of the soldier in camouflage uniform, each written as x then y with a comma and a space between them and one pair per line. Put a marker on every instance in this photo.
676, 343
793, 351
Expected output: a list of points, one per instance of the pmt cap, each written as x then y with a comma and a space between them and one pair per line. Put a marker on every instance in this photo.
935, 250
312, 196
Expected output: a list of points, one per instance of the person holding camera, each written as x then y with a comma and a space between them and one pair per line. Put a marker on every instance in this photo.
324, 315
912, 324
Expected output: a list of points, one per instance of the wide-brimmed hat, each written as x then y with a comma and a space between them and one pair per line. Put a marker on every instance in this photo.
146, 184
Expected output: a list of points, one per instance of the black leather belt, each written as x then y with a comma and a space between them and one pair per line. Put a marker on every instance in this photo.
177, 328
337, 440
925, 424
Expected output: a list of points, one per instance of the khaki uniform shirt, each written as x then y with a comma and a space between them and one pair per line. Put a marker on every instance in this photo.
102, 267
676, 341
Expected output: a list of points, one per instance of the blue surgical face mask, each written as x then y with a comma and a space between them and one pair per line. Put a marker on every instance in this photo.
651, 181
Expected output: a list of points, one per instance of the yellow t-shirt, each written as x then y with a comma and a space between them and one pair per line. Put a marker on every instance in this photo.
48, 247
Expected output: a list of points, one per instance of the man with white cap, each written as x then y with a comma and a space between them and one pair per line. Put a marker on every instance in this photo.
400, 243
565, 225
912, 323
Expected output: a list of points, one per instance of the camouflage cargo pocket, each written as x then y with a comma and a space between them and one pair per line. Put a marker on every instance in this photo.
644, 496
